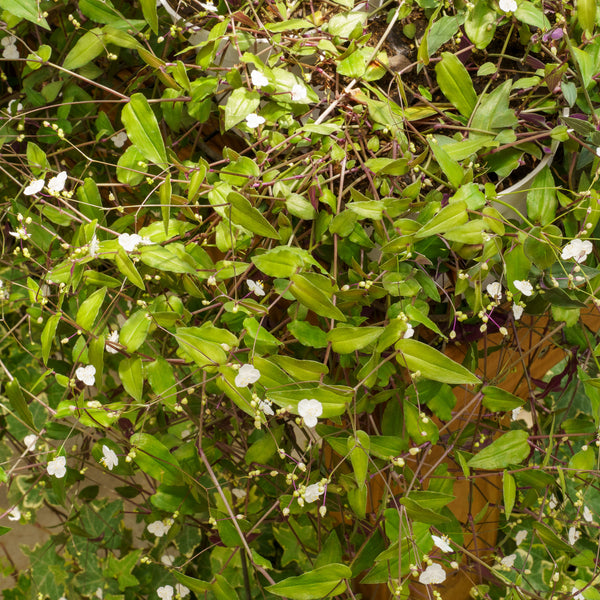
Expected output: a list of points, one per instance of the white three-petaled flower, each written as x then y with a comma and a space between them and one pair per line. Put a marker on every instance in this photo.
258, 79
57, 184
299, 93
577, 249
165, 592
30, 442
495, 291
508, 5
86, 374
310, 410
253, 120
312, 493
14, 514
130, 241
113, 338
57, 467
109, 458
442, 543
433, 574
159, 528
119, 139
246, 376
524, 287
35, 187
256, 287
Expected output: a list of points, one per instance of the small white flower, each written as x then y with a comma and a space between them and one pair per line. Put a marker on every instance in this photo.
520, 537
553, 502
577, 595
158, 528
20, 233
14, 514
57, 467
10, 52
246, 376
310, 410
577, 249
165, 592
93, 246
130, 241
574, 535
433, 574
523, 286
587, 514
239, 493
86, 374
57, 184
30, 441
35, 187
299, 93
494, 290
99, 593
119, 139
312, 493
212, 280
12, 109
442, 543
597, 151
167, 559
265, 406
113, 338
253, 120
517, 311
508, 561
9, 40
208, 6
508, 5
409, 331
109, 458
515, 413
256, 287
258, 79
182, 590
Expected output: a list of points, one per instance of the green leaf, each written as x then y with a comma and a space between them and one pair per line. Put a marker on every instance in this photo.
509, 492
280, 261
432, 364
343, 24
128, 269
320, 583
36, 159
18, 402
307, 334
314, 298
455, 83
164, 193
240, 104
480, 24
162, 380
451, 169
142, 129
499, 400
48, 335
154, 458
89, 308
333, 398
26, 9
130, 372
250, 218
349, 339
421, 514
549, 537
533, 15
195, 344
150, 14
164, 259
358, 450
450, 216
509, 449
89, 46
134, 331
541, 198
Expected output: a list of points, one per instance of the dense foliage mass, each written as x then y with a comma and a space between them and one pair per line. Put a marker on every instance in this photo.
300, 299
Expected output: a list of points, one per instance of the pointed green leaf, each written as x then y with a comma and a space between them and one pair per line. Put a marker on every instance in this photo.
128, 269
349, 339
241, 103
164, 193
150, 14
432, 364
509, 449
321, 583
509, 491
497, 399
250, 218
88, 311
314, 298
89, 46
142, 129
48, 335
18, 402
134, 331
358, 449
154, 458
130, 372
455, 82
26, 9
